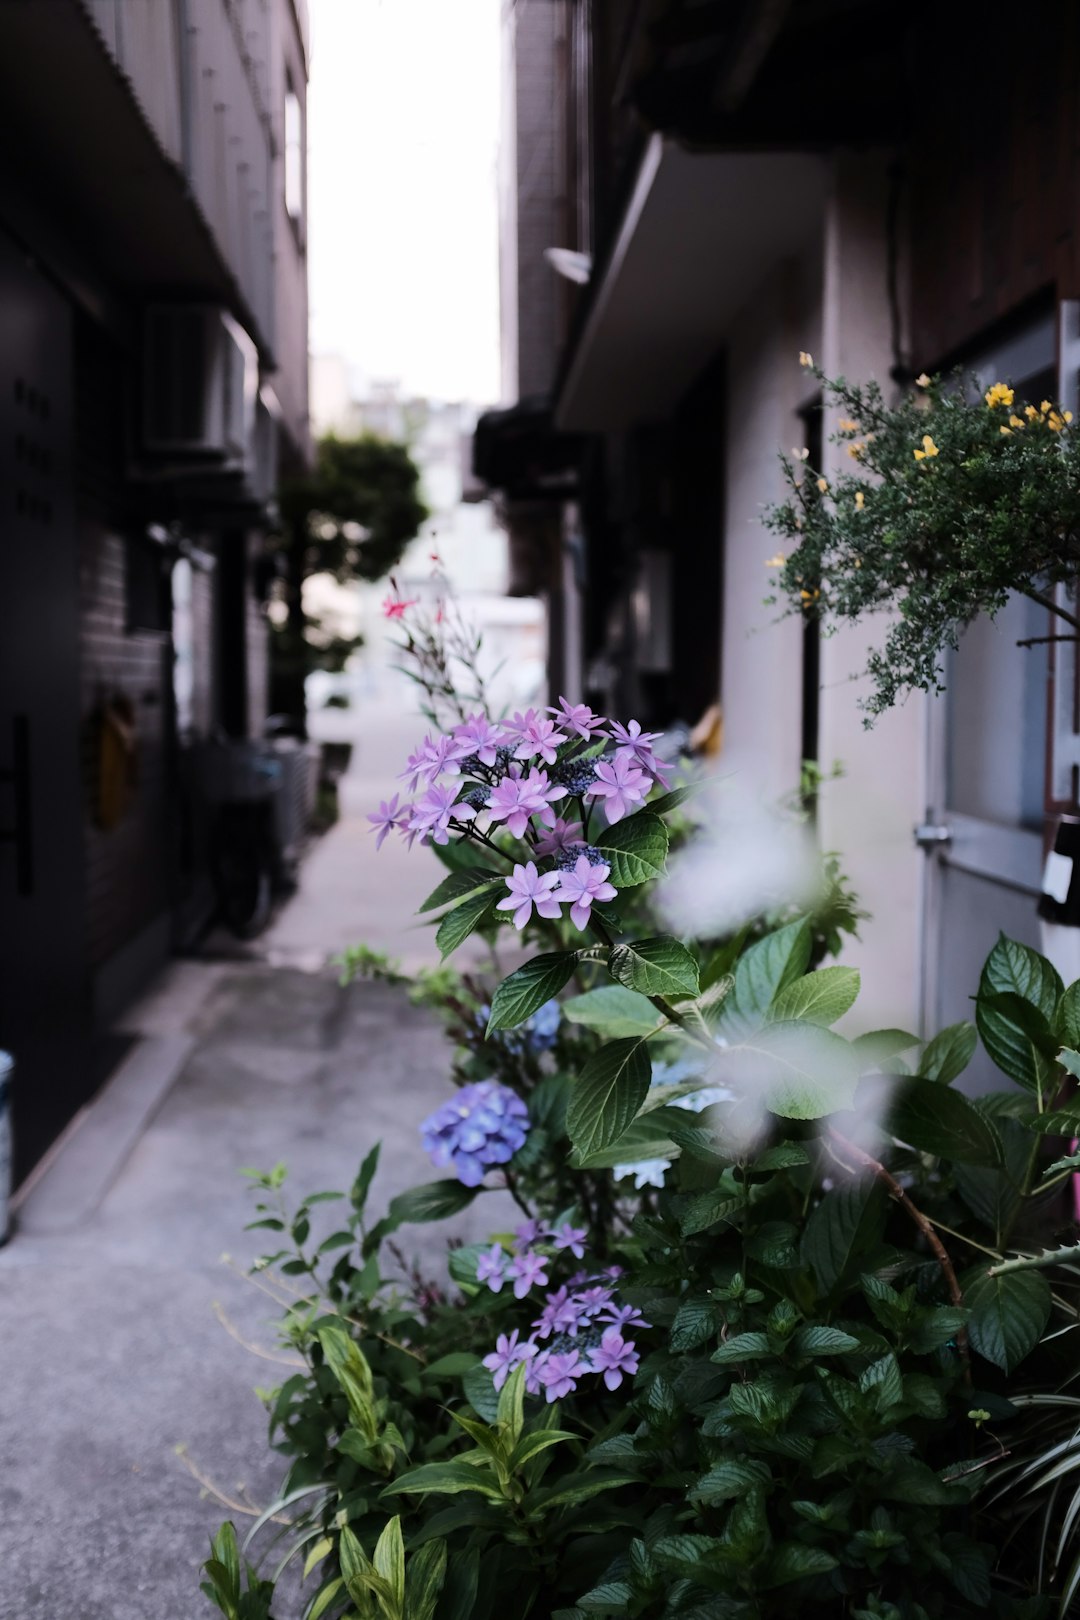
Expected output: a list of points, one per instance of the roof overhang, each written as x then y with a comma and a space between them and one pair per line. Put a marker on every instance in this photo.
699, 232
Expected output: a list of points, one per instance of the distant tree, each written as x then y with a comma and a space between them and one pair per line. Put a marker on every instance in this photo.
352, 517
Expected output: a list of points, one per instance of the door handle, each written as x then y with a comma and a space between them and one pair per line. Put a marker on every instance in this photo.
931, 834
20, 832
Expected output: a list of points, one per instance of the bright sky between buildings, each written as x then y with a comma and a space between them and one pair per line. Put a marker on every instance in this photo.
403, 121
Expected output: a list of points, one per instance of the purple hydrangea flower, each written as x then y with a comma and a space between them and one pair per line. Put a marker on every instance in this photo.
614, 1356
528, 1270
637, 744
580, 718
560, 1373
534, 1371
581, 886
592, 1300
484, 1124
389, 818
491, 1267
517, 798
433, 813
539, 735
621, 784
560, 1314
506, 1355
528, 888
621, 1316
478, 736
572, 1238
563, 835
529, 1232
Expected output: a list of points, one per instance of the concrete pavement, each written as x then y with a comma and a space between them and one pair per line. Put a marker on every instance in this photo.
113, 1351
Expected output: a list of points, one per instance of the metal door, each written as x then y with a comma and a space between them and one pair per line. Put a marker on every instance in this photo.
986, 766
43, 1002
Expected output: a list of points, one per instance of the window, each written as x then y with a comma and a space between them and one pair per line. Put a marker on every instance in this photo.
294, 154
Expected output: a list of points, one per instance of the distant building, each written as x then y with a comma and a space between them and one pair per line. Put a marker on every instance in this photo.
153, 383
738, 183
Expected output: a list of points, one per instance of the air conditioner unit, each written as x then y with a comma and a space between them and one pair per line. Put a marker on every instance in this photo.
200, 386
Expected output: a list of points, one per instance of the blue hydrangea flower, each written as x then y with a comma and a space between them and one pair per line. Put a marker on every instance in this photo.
543, 1026
485, 1124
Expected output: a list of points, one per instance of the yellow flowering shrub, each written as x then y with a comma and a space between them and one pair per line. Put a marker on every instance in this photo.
956, 498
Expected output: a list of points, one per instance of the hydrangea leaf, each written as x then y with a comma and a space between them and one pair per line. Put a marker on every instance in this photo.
457, 886
635, 849
526, 990
799, 1070
646, 1137
949, 1053
933, 1118
763, 970
656, 967
607, 1094
1008, 1314
820, 997
458, 924
613, 1010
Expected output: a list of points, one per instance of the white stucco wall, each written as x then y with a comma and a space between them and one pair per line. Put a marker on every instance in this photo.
870, 814
762, 654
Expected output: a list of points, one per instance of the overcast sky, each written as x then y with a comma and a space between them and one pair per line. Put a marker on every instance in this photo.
403, 115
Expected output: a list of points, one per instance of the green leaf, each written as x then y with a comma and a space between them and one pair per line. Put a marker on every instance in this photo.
882, 1379
324, 1598
877, 1046
519, 996
1058, 1121
533, 1444
709, 1209
458, 924
445, 1479
729, 1479
695, 1322
635, 848
1018, 997
480, 1392
579, 1488
656, 967
672, 800
799, 1070
782, 1156
389, 1559
1071, 1061
613, 1011
365, 1175
457, 886
349, 1365
424, 1579
820, 998
793, 1561
607, 1095
510, 1411
1067, 1016
762, 971
1008, 1314
948, 1054
646, 1137
434, 1201
742, 1347
845, 1227
819, 1340
931, 1117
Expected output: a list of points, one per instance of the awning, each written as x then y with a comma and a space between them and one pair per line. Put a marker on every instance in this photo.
518, 452
700, 230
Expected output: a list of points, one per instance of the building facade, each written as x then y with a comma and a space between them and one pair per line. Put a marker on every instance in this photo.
747, 181
153, 383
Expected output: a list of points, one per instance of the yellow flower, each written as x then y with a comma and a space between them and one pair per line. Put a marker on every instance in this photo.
860, 500
823, 485
1030, 412
809, 596
1016, 421
1068, 416
1006, 430
846, 425
805, 359
929, 448
1045, 406
999, 394
922, 380
776, 562
1055, 422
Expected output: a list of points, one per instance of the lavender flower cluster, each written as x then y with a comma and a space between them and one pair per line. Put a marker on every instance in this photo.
512, 772
484, 1124
581, 1329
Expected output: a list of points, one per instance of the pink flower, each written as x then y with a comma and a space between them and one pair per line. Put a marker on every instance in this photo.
562, 835
614, 1356
527, 889
539, 736
388, 818
394, 607
580, 718
582, 886
620, 784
